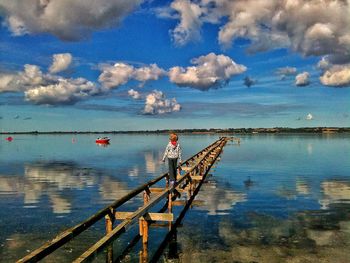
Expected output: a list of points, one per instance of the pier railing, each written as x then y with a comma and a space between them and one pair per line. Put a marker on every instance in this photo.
196, 168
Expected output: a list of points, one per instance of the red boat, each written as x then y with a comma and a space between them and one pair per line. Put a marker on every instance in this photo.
9, 139
103, 140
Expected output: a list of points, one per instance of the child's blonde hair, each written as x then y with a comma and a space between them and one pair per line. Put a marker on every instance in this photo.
173, 137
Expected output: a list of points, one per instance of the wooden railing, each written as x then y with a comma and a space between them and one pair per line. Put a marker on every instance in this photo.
196, 168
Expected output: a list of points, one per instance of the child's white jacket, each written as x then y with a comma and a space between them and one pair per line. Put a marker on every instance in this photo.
173, 152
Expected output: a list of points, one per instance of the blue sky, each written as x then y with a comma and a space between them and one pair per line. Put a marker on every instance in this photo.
185, 62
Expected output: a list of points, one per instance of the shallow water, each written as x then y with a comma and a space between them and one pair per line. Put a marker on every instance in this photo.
273, 198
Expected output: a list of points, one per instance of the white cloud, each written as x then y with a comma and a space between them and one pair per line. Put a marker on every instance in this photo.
32, 75
65, 91
134, 94
210, 71
309, 117
24, 80
286, 71
157, 103
165, 12
116, 75
189, 27
60, 62
337, 76
17, 26
152, 72
51, 89
302, 79
40, 88
113, 76
312, 28
65, 19
5, 82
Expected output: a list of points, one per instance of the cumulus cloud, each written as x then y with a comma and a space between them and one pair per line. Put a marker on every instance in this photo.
312, 28
302, 79
59, 17
60, 62
336, 76
52, 89
41, 88
248, 81
189, 27
65, 91
113, 76
210, 71
26, 79
134, 94
5, 81
147, 73
157, 103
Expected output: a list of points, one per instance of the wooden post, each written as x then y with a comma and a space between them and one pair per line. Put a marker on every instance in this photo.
109, 221
109, 228
143, 255
143, 223
145, 231
170, 203
146, 195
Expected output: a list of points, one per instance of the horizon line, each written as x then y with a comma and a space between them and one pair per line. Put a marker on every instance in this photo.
273, 129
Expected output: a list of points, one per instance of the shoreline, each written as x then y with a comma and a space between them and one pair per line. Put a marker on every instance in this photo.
305, 130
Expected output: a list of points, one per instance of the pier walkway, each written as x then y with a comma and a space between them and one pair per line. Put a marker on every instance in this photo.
196, 169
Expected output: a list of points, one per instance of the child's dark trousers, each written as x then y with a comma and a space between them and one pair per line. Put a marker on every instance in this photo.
172, 168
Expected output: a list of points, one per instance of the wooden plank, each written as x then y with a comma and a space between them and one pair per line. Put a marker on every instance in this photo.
148, 216
196, 177
123, 215
156, 190
168, 217
179, 203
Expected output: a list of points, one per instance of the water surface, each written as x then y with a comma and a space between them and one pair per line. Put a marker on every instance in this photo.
273, 198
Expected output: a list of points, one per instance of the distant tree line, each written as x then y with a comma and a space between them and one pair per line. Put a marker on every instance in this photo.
203, 131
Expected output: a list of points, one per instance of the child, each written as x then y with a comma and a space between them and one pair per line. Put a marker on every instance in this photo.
173, 153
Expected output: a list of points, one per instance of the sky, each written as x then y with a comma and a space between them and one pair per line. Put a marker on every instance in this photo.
106, 65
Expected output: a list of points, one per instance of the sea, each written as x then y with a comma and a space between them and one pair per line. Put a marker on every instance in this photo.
270, 198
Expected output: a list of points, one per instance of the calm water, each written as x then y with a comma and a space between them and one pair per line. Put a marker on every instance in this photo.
271, 199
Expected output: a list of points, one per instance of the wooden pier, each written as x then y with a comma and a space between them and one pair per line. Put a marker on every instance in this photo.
196, 168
